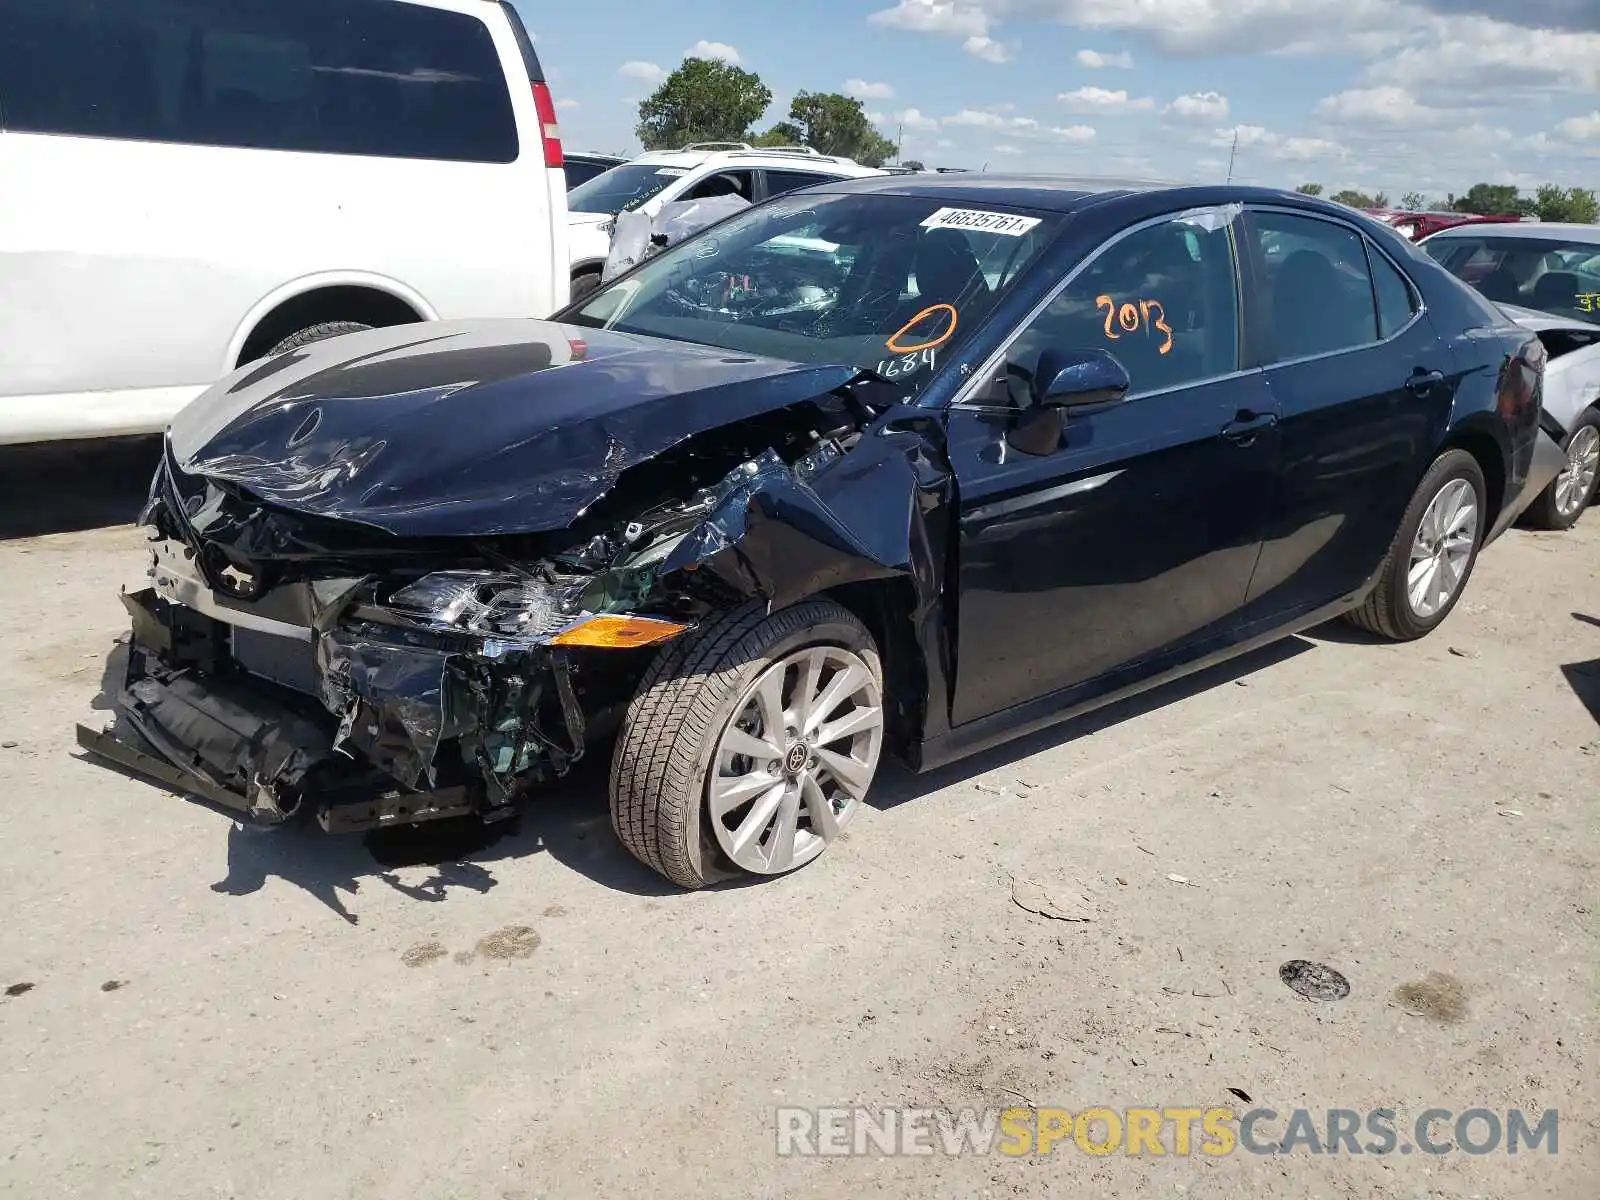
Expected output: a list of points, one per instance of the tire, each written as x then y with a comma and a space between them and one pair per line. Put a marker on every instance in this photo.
670, 755
1389, 611
315, 333
584, 285
1561, 504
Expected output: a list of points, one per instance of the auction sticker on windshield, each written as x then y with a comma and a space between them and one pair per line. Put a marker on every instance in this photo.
980, 222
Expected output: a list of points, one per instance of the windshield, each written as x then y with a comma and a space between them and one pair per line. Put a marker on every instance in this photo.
623, 187
888, 283
1558, 277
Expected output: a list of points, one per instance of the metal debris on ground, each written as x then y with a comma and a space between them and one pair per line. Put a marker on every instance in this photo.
1313, 980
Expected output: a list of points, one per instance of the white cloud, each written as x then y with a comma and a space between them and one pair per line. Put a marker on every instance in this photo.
1383, 105
720, 51
1255, 139
988, 49
984, 119
1096, 61
1200, 106
1073, 133
915, 119
957, 18
1103, 100
644, 72
1007, 148
862, 90
566, 104
877, 118
1581, 129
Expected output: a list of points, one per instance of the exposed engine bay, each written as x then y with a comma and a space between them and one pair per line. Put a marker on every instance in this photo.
283, 662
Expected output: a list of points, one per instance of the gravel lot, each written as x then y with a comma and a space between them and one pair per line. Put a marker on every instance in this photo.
222, 1012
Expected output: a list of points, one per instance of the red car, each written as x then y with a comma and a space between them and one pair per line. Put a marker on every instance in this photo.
1418, 225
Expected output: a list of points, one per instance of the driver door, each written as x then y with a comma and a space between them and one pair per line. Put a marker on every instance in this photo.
1128, 545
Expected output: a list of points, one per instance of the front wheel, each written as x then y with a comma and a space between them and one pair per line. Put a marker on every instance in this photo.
1433, 552
751, 744
1561, 504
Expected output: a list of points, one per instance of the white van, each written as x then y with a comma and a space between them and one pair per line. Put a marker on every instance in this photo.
189, 185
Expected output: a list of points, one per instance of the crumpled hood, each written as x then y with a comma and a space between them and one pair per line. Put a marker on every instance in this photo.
471, 428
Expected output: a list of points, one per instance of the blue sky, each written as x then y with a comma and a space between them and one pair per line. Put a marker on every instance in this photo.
1393, 95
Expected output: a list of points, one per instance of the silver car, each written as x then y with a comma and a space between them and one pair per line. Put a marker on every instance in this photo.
1546, 277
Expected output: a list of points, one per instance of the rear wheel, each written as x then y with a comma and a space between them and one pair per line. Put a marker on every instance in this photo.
1433, 552
750, 744
316, 333
1563, 502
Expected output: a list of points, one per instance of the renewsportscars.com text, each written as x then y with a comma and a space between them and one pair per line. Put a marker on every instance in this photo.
1177, 1131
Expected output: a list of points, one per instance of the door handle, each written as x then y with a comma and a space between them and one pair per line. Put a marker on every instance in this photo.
1422, 382
1246, 426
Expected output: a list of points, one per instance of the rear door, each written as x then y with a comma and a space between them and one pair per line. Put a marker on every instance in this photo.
1363, 386
1130, 544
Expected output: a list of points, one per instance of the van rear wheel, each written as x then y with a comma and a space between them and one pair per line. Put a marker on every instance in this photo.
316, 333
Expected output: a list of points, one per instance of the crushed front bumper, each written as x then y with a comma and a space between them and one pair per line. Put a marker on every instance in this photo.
193, 720
268, 717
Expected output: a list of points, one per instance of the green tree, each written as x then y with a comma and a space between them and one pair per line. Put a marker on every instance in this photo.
1567, 204
1357, 199
1491, 199
1310, 189
1413, 202
833, 124
784, 133
912, 164
702, 101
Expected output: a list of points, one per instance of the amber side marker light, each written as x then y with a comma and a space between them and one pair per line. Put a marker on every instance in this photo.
618, 633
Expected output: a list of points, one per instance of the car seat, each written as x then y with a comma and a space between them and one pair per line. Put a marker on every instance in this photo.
1556, 291
1500, 285
1313, 313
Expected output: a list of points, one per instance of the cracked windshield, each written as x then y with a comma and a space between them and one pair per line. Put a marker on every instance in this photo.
891, 284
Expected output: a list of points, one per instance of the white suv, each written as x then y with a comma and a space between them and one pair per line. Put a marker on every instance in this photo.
186, 187
696, 172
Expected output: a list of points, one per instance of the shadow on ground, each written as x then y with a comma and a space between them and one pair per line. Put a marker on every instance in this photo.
1584, 677
571, 821
64, 487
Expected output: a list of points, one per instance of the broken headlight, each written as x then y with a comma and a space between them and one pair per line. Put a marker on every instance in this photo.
484, 602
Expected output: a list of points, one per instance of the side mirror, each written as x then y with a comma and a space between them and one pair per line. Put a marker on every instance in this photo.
1079, 381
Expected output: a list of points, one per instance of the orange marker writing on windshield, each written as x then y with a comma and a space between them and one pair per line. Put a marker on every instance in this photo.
894, 345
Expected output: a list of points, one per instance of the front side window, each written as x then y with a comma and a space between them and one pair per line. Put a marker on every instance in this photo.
724, 183
361, 77
1319, 290
1558, 277
892, 284
1161, 300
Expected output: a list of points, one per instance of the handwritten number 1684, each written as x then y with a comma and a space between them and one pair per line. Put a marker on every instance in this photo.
1131, 318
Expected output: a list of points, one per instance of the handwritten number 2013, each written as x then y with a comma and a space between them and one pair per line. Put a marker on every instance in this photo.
1130, 318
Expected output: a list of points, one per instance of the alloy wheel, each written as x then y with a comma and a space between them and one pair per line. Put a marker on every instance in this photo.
793, 765
1442, 549
1575, 484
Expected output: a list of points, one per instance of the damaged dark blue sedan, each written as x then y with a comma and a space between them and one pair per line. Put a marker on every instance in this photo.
905, 466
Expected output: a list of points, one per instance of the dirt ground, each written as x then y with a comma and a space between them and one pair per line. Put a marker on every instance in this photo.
197, 1010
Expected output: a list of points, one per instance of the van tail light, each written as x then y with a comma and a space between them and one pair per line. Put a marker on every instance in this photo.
549, 128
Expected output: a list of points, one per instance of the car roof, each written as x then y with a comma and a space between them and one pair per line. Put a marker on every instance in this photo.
730, 153
1070, 193
1545, 231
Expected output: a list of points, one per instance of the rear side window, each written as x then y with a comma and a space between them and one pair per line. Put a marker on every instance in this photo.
1396, 304
1319, 291
779, 182
363, 77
